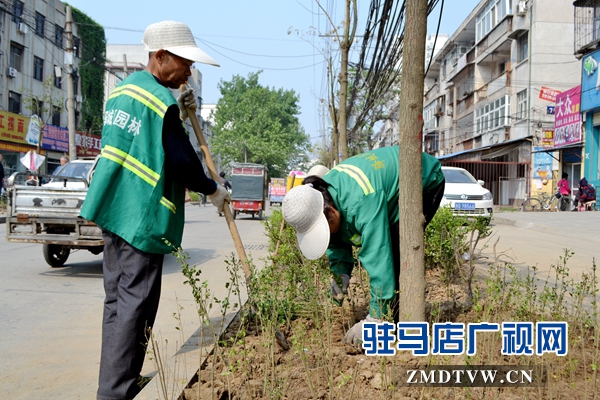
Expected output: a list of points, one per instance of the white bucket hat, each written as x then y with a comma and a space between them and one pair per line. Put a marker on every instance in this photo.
176, 38
318, 170
302, 208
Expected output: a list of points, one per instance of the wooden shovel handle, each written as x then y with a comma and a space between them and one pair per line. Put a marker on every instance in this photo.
226, 210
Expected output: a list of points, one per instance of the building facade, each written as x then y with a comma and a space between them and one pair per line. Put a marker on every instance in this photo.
32, 52
490, 94
587, 48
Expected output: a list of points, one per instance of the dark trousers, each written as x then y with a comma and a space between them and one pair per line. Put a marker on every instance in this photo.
431, 202
132, 280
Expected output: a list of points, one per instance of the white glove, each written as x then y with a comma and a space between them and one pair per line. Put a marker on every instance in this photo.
186, 100
219, 197
354, 336
336, 292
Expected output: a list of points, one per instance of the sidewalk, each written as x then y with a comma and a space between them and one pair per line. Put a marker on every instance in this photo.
565, 224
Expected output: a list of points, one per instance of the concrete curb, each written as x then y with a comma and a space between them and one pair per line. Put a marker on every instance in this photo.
181, 368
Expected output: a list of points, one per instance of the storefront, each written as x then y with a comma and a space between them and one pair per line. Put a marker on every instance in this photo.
19, 134
565, 144
16, 139
590, 107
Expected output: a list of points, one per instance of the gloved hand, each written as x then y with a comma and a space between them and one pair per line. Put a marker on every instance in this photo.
338, 293
354, 334
186, 100
219, 197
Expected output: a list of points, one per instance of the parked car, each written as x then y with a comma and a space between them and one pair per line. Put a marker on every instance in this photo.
79, 169
466, 195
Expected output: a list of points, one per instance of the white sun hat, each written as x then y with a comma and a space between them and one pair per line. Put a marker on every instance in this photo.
176, 38
302, 208
318, 170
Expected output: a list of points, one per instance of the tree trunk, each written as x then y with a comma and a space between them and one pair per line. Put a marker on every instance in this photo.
345, 44
412, 269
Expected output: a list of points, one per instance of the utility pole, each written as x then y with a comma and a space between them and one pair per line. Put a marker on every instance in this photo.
70, 92
412, 255
125, 70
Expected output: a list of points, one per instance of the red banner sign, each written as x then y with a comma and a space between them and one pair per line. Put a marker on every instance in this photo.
548, 94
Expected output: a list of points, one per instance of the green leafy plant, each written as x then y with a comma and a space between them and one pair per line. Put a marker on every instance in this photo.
91, 70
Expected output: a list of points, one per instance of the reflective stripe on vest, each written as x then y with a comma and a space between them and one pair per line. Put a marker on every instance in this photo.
131, 163
359, 176
356, 239
165, 202
141, 95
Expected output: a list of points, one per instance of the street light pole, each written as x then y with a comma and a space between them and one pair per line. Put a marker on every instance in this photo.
70, 90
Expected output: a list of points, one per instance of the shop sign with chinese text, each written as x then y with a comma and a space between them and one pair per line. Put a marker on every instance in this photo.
567, 117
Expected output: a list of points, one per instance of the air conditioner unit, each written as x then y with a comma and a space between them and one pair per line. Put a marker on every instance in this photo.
438, 111
449, 111
522, 8
22, 27
11, 72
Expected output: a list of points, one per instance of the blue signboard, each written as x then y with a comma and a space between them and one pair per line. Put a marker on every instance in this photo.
542, 166
550, 110
590, 81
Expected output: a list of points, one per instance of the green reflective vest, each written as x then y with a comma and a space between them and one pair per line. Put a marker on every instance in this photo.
364, 189
128, 195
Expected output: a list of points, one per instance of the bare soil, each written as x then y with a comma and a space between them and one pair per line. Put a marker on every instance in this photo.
318, 365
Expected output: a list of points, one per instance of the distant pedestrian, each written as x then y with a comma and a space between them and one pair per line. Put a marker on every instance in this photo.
2, 174
224, 181
563, 185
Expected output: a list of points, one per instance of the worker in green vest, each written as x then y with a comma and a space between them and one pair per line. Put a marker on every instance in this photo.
137, 197
356, 204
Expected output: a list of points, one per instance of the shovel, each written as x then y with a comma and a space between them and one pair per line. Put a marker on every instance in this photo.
226, 210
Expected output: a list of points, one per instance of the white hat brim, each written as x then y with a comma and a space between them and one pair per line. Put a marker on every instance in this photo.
193, 54
314, 242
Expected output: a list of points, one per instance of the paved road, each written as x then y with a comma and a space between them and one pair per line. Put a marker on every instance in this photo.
540, 239
51, 317
50, 329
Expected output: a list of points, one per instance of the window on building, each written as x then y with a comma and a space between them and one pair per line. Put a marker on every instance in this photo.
493, 13
16, 56
57, 76
14, 102
596, 23
17, 10
38, 68
493, 115
56, 116
76, 47
522, 104
119, 76
501, 68
58, 36
522, 51
38, 108
40, 22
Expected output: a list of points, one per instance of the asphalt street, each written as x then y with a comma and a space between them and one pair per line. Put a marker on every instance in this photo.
51, 317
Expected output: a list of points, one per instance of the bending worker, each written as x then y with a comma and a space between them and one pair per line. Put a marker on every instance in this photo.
137, 197
356, 204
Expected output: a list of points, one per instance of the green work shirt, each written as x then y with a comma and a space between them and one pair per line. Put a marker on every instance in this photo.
364, 189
